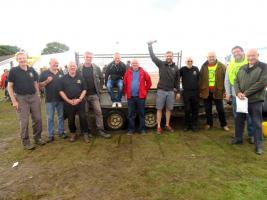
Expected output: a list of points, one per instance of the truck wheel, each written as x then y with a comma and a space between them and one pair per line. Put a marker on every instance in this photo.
114, 120
150, 119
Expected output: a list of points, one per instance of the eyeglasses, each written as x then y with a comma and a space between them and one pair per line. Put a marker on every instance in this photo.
190, 61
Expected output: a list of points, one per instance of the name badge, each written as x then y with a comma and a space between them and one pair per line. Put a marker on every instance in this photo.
79, 81
31, 74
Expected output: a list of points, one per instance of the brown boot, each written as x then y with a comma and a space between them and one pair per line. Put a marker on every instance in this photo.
169, 128
207, 127
72, 137
159, 131
226, 128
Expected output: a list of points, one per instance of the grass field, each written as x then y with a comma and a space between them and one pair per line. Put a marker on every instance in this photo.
187, 166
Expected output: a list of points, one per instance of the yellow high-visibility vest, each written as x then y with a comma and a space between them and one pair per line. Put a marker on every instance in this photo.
212, 71
234, 68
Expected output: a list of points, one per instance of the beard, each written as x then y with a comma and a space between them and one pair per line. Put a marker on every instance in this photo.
169, 61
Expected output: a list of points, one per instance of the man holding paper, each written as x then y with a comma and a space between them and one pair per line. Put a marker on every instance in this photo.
250, 83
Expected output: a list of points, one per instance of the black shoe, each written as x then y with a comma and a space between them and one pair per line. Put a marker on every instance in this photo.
29, 147
187, 129
235, 141
195, 129
143, 132
73, 137
251, 140
259, 150
86, 138
63, 135
40, 142
50, 139
130, 133
103, 134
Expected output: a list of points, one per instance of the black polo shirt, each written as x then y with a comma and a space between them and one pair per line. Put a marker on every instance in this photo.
23, 81
72, 86
190, 78
88, 75
51, 89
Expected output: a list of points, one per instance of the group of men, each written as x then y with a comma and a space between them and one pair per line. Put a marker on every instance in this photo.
246, 77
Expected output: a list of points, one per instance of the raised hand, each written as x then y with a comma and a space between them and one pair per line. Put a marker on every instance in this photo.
150, 42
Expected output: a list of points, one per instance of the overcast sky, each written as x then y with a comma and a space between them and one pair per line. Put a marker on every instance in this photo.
194, 26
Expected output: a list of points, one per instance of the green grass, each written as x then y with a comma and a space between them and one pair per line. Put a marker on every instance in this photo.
168, 167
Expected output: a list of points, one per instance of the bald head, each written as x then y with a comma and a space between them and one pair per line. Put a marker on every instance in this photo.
211, 57
135, 64
252, 56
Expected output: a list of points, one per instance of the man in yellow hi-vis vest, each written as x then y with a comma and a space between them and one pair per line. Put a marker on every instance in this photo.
236, 63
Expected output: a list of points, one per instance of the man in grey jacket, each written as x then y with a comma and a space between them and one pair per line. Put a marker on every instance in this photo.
94, 82
250, 83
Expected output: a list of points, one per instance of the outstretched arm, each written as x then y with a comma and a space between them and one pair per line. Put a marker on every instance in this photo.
154, 58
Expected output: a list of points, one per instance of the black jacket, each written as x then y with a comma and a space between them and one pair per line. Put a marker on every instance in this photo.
169, 77
115, 72
98, 77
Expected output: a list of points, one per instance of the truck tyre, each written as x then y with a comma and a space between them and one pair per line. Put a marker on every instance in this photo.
151, 118
114, 120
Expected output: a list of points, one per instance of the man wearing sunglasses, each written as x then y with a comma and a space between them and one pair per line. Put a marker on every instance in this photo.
190, 79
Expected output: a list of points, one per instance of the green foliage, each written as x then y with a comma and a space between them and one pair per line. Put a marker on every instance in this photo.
55, 47
8, 50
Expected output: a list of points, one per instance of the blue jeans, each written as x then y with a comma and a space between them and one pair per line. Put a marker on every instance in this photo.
136, 106
250, 128
110, 86
51, 107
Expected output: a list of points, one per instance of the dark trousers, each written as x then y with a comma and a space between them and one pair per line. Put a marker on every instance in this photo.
255, 112
191, 106
136, 106
219, 108
71, 111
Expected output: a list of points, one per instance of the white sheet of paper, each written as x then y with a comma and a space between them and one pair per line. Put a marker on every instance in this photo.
242, 105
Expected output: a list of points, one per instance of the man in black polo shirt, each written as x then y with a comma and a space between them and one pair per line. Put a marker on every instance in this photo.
94, 82
190, 83
24, 93
50, 80
73, 90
